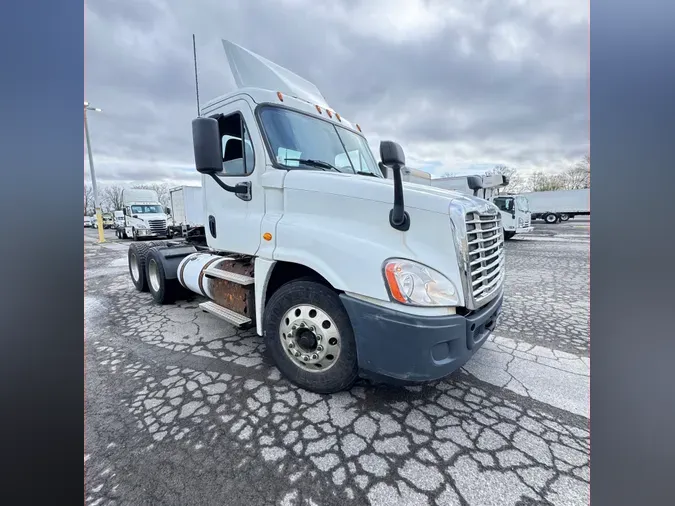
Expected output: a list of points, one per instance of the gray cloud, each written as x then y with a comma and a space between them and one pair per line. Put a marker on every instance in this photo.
456, 83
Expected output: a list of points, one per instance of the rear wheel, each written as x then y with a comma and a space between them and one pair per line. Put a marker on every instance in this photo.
564, 217
310, 338
551, 218
137, 256
162, 290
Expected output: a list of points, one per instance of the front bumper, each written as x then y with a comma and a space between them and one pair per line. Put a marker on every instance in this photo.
402, 348
146, 232
524, 230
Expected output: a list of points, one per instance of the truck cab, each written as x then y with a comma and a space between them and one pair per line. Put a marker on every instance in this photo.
344, 272
144, 215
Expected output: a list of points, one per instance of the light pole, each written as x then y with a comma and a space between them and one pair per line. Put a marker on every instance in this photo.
97, 207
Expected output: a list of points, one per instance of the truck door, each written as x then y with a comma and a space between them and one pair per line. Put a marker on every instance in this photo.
233, 223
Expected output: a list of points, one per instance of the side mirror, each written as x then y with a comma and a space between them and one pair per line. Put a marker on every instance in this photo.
391, 154
392, 157
206, 143
168, 211
124, 211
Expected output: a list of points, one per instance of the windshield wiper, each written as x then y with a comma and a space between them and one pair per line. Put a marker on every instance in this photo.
364, 173
314, 163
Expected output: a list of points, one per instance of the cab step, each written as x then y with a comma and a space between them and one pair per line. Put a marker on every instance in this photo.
236, 319
239, 279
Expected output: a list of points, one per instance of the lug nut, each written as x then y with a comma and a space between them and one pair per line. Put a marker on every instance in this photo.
319, 348
318, 337
294, 327
302, 325
305, 358
297, 353
313, 328
315, 356
291, 344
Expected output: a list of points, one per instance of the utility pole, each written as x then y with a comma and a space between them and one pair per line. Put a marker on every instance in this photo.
97, 205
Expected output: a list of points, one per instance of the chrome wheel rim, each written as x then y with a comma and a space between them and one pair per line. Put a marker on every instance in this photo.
133, 264
310, 338
153, 275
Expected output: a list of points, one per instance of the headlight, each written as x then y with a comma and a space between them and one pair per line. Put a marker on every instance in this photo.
415, 284
141, 226
521, 223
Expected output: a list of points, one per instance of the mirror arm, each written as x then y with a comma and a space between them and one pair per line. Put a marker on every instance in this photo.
242, 190
398, 217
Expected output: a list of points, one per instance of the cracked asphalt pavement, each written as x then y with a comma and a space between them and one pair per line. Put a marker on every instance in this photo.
181, 408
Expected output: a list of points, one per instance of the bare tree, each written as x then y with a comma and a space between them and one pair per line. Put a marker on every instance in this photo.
579, 175
112, 197
162, 190
88, 200
516, 183
541, 182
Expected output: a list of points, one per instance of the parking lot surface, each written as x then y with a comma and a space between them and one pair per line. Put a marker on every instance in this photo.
181, 408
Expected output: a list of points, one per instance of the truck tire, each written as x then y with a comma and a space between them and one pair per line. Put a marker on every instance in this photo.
551, 218
137, 256
309, 336
163, 290
564, 217
508, 235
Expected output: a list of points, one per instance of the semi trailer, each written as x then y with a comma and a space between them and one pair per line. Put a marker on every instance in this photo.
559, 205
343, 272
187, 209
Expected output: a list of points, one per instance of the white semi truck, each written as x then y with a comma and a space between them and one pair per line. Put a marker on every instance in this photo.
342, 271
559, 205
144, 215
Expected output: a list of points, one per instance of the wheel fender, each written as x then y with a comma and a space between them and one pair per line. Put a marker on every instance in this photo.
263, 271
171, 257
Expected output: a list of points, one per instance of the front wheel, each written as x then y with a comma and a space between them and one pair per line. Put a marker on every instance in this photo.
508, 235
310, 338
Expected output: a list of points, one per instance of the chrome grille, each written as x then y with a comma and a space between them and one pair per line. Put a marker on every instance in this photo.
157, 226
486, 254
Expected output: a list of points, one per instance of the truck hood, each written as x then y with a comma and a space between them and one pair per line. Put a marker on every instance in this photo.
427, 198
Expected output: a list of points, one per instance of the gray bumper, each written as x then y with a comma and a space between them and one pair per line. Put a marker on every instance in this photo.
399, 347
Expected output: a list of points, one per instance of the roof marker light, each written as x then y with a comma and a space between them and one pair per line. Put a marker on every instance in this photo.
318, 109
281, 97
330, 114
338, 117
357, 126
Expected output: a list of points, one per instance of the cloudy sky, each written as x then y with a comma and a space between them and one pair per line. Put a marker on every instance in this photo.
460, 84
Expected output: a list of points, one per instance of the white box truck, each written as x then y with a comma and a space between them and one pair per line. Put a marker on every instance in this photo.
559, 205
187, 209
144, 215
343, 272
515, 211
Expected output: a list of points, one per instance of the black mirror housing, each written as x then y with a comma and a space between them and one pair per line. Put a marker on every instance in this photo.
392, 154
124, 211
206, 143
168, 211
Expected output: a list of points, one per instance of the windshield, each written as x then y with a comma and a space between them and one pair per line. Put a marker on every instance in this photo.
147, 209
504, 204
522, 204
301, 141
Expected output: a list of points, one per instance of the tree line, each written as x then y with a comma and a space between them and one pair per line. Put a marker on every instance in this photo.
110, 196
575, 177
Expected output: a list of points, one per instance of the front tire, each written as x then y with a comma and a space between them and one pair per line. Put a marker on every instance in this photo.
508, 235
551, 218
310, 338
